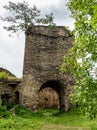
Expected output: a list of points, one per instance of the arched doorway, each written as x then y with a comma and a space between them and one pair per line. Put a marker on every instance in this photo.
48, 98
17, 97
51, 95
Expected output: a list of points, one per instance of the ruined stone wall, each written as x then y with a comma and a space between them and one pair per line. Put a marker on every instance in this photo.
44, 53
7, 93
9, 88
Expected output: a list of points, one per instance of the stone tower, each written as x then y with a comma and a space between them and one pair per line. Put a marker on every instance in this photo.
43, 84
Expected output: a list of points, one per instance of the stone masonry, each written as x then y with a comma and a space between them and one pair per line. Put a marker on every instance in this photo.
44, 52
8, 89
43, 85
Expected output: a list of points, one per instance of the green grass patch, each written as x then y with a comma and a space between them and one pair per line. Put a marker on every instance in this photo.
46, 119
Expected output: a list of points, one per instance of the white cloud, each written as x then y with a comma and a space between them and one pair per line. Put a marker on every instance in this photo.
44, 3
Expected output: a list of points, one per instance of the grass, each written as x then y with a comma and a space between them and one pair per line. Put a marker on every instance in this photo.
47, 119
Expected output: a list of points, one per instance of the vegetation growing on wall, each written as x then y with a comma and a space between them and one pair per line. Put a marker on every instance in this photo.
21, 16
3, 76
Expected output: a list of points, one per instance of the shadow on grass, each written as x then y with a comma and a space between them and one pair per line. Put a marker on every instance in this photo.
42, 113
69, 112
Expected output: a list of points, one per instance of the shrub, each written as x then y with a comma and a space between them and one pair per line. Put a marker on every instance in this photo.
4, 112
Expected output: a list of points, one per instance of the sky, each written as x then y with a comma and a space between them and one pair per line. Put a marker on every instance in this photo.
12, 48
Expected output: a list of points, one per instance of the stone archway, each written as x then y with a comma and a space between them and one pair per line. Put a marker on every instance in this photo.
51, 95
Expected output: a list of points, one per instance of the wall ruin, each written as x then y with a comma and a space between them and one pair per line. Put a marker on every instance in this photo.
44, 53
42, 85
8, 89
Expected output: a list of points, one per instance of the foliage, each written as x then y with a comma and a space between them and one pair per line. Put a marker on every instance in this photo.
25, 113
21, 16
3, 76
50, 119
4, 112
80, 61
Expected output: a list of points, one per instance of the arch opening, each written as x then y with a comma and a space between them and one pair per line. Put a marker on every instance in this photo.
51, 95
17, 96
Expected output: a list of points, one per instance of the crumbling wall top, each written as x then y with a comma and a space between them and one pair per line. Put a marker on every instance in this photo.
49, 31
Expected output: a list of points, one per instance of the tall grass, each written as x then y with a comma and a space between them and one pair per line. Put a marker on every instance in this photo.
46, 119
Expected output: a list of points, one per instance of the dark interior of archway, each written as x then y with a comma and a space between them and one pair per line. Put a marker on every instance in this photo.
16, 97
5, 98
53, 84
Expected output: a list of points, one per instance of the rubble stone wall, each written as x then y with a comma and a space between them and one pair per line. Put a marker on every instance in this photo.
44, 52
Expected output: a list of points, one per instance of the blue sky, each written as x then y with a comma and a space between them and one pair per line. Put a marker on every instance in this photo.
12, 48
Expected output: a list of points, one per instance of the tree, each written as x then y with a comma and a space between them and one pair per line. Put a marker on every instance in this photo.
82, 57
21, 16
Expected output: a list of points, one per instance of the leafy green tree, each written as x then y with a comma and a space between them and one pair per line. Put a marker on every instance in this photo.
21, 16
82, 56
